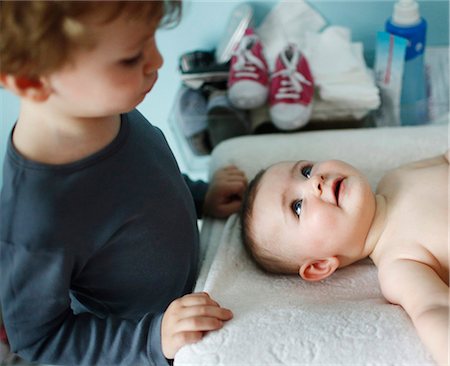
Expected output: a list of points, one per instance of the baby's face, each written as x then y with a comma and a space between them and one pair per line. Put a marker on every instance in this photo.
113, 76
305, 210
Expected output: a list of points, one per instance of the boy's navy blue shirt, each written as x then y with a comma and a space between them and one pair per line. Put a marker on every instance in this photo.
92, 252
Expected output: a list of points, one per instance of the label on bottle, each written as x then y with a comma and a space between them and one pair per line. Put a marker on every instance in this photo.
414, 34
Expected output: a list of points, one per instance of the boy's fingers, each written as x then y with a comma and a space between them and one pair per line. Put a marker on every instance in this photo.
198, 298
235, 173
199, 323
234, 179
206, 311
179, 340
231, 207
225, 175
234, 185
184, 338
231, 170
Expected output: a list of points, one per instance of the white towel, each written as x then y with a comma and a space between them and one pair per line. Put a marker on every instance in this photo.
339, 69
282, 320
288, 21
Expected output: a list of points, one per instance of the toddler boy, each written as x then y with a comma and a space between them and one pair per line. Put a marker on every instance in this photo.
98, 230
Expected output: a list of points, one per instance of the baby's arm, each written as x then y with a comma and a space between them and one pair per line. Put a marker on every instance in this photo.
425, 297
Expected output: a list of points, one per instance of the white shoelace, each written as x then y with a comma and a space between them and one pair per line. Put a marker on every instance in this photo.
291, 87
247, 63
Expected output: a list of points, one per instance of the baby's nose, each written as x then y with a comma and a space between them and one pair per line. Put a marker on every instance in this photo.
317, 182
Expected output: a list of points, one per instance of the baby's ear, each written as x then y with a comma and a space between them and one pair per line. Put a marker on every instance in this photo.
318, 269
34, 89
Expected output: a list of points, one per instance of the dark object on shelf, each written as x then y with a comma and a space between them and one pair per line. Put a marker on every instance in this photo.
224, 120
199, 67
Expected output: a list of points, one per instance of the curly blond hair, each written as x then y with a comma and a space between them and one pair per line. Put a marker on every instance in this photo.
37, 37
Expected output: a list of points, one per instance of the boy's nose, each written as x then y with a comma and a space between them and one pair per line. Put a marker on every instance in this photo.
153, 65
154, 60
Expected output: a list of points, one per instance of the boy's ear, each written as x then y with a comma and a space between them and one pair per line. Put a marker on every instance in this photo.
34, 89
318, 269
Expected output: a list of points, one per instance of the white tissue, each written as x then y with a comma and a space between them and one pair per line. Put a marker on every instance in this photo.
330, 52
340, 72
287, 22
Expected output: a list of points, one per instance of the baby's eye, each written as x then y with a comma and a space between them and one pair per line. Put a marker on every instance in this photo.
297, 207
306, 171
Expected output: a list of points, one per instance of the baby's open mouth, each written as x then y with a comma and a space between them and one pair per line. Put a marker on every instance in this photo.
337, 187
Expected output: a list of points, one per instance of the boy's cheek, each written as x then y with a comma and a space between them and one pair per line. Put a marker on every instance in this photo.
125, 82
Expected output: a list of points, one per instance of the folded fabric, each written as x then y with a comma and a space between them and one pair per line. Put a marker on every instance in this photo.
288, 22
340, 71
334, 43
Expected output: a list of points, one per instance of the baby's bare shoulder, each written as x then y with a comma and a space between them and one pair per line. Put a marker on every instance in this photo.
399, 172
399, 277
425, 163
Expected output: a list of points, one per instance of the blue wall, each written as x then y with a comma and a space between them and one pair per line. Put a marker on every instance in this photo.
202, 26
9, 110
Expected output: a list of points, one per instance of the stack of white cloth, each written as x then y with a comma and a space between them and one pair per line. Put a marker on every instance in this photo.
340, 73
345, 86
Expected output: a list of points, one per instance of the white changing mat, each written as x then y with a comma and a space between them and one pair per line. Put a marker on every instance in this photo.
282, 320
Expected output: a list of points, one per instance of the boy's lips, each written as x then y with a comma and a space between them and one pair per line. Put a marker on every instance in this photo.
337, 188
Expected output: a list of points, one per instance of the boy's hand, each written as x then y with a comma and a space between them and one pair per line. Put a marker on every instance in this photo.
187, 320
224, 196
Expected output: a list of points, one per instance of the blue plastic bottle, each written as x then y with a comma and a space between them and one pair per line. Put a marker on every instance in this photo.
406, 22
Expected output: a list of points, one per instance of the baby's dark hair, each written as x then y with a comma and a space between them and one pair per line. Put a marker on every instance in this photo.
266, 260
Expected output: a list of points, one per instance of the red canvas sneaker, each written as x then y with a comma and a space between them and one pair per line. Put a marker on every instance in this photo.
248, 78
291, 90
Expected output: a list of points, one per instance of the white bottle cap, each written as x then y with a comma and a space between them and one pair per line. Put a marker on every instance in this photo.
406, 12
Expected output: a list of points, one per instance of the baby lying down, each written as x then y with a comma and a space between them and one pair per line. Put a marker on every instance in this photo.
311, 218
